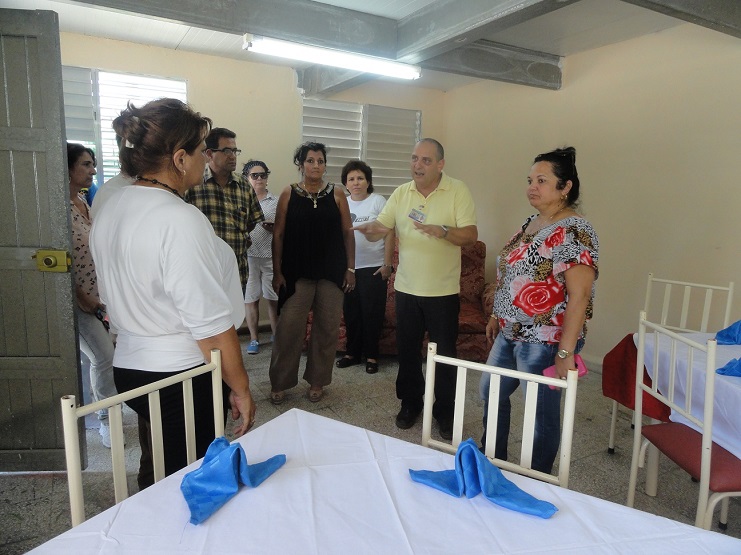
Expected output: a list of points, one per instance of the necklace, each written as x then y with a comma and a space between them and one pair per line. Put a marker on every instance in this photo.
555, 214
82, 204
165, 185
313, 196
536, 228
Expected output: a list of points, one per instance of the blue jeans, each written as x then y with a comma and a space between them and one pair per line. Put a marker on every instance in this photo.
532, 358
97, 345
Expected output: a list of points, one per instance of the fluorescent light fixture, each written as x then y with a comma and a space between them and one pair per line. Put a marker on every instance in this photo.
329, 57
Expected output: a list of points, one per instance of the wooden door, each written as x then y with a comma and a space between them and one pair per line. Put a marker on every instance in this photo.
38, 346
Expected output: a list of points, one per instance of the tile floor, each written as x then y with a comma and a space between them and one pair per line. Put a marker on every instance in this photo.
34, 506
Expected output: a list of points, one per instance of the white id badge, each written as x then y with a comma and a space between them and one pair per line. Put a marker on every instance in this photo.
417, 215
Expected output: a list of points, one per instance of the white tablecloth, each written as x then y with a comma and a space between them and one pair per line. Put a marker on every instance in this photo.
727, 406
345, 490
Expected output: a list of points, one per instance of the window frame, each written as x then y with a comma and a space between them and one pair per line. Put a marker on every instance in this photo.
381, 136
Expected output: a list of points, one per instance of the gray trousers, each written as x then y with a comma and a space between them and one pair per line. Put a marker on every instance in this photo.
324, 298
97, 345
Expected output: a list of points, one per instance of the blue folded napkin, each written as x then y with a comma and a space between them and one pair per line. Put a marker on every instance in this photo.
730, 336
207, 488
475, 474
733, 368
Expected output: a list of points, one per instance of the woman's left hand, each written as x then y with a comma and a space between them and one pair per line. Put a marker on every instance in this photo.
348, 283
563, 365
245, 407
385, 272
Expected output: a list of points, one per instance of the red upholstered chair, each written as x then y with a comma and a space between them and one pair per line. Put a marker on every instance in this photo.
692, 309
618, 383
717, 470
476, 297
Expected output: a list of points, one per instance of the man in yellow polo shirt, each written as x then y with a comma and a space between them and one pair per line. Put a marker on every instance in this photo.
434, 216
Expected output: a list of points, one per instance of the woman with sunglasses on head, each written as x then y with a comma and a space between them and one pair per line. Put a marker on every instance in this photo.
365, 306
543, 299
171, 286
313, 266
260, 255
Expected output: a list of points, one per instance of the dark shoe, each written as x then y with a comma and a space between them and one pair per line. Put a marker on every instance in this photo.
344, 362
371, 367
446, 428
406, 418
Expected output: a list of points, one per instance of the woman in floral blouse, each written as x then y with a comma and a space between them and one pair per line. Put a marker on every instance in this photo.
543, 298
94, 339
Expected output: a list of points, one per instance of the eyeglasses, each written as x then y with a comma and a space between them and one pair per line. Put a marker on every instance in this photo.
259, 175
228, 151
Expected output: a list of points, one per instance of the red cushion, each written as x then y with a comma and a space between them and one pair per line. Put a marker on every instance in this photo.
473, 260
618, 380
471, 319
683, 445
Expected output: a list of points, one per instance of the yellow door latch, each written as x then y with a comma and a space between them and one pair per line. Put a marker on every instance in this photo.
52, 261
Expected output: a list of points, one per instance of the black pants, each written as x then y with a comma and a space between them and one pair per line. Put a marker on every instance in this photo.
438, 316
173, 416
364, 309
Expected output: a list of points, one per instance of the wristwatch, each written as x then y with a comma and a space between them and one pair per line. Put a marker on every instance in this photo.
445, 231
351, 270
563, 353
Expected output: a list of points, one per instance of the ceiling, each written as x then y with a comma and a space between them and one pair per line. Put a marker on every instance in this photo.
455, 41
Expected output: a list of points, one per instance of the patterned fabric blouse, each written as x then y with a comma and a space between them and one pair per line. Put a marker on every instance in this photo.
86, 282
262, 239
531, 297
233, 212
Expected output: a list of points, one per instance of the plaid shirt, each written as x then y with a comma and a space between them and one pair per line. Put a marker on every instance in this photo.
233, 211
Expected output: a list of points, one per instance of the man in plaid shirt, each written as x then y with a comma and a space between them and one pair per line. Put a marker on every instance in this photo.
228, 202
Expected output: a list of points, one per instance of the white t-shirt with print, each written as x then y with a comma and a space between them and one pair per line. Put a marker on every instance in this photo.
367, 254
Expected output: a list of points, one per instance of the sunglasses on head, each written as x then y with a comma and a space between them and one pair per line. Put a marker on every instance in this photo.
259, 175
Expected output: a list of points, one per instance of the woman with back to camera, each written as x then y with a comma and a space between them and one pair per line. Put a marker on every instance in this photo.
170, 284
260, 255
365, 306
543, 299
94, 339
313, 266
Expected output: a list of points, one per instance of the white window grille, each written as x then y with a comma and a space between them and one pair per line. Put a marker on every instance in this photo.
94, 98
382, 137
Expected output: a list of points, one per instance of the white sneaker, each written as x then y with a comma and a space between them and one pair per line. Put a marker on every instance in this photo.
105, 435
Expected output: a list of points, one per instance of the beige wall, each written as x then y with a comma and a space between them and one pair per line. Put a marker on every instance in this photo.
655, 122
259, 102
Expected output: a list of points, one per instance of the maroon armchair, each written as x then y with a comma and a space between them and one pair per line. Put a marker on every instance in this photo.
476, 305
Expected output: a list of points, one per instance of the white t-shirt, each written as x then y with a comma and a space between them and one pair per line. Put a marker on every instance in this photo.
167, 280
109, 188
367, 254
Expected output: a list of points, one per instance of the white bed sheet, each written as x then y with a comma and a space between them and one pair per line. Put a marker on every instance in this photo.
727, 405
346, 490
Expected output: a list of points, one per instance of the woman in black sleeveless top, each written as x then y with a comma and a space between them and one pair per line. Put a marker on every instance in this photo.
313, 265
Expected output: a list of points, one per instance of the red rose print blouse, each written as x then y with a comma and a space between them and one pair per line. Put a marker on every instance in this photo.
531, 297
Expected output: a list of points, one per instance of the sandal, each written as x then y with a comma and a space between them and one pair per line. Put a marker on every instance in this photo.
315, 395
346, 361
371, 367
277, 397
